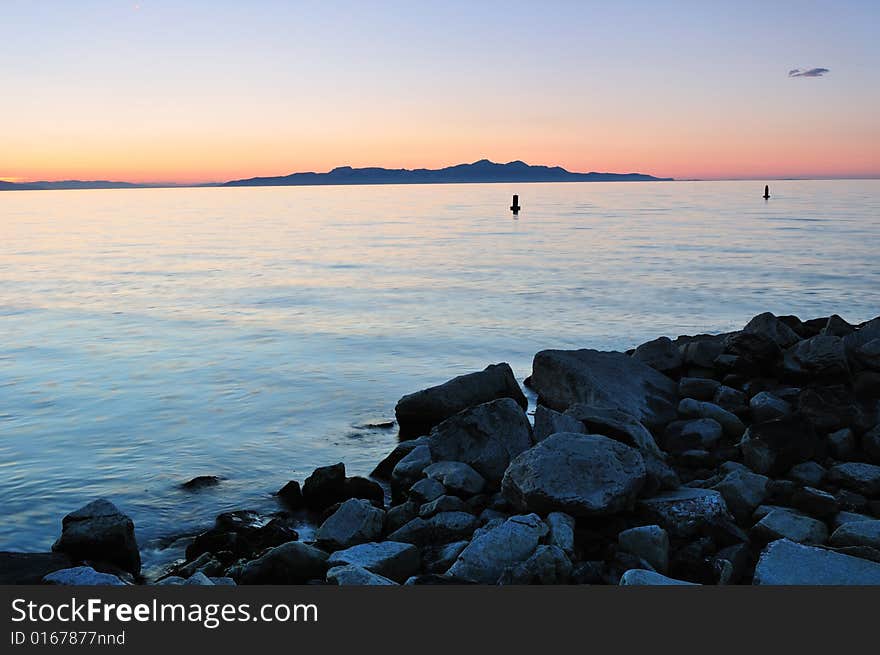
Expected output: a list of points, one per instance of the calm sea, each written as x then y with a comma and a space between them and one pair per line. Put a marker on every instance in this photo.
148, 336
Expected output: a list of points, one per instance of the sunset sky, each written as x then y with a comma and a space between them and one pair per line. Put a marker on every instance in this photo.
196, 91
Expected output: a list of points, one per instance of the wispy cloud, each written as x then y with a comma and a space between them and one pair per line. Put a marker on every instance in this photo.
809, 72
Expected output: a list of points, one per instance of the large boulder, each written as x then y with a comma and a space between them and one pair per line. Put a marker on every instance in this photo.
99, 532
486, 437
661, 354
549, 421
442, 528
609, 379
857, 476
773, 447
582, 475
650, 542
386, 466
325, 486
766, 407
821, 357
493, 550
773, 328
418, 412
692, 434
788, 524
685, 512
457, 477
548, 565
616, 424
858, 533
391, 559
356, 521
785, 562
290, 563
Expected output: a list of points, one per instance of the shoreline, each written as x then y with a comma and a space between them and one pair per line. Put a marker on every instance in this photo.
746, 457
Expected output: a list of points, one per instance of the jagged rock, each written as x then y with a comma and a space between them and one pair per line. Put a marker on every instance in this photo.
391, 559
457, 477
426, 490
546, 566
386, 466
858, 533
358, 487
242, 533
581, 475
773, 447
753, 353
699, 433
442, 504
81, 576
788, 524
410, 467
645, 578
291, 495
561, 531
743, 491
731, 425
419, 412
616, 424
698, 388
610, 379
837, 327
290, 563
356, 521
494, 549
821, 357
773, 328
100, 532
866, 333
200, 482
842, 444
660, 354
441, 528
441, 558
549, 421
355, 575
325, 486
650, 542
766, 407
486, 437
785, 562
857, 476
399, 515
685, 511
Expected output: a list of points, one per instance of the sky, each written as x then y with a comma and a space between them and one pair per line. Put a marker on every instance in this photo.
198, 91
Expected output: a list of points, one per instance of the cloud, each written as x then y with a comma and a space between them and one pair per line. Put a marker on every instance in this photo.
810, 72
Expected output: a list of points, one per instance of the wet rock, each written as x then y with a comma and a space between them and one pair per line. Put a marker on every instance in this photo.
356, 521
457, 478
561, 531
616, 424
731, 425
355, 575
201, 482
821, 357
773, 328
486, 437
743, 491
698, 388
409, 469
441, 528
419, 412
100, 532
788, 524
391, 559
649, 542
290, 563
386, 466
686, 511
291, 495
82, 576
549, 421
785, 562
858, 477
842, 444
205, 563
325, 487
493, 550
581, 475
30, 568
660, 354
766, 407
858, 533
700, 433
546, 566
773, 447
645, 578
610, 379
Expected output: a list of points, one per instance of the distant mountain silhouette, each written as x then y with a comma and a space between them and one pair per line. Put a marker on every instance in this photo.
480, 171
68, 184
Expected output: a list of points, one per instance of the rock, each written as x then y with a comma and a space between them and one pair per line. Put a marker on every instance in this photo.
773, 447
356, 521
549, 421
291, 495
290, 563
868, 354
857, 476
650, 542
548, 565
493, 550
784, 562
848, 517
731, 425
409, 469
773, 328
30, 568
205, 563
616, 424
787, 524
609, 379
419, 412
442, 504
355, 575
441, 528
645, 578
100, 532
766, 407
743, 491
842, 444
866, 333
399, 515
741, 562
837, 327
660, 354
426, 490
831, 408
457, 478
435, 579
871, 444
732, 400
201, 482
386, 466
659, 476
750, 354
815, 502
807, 473
486, 437
81, 576
199, 579
858, 533
698, 388
325, 487
821, 357
700, 433
581, 475
700, 352
358, 487
686, 511
242, 533
390, 559
561, 531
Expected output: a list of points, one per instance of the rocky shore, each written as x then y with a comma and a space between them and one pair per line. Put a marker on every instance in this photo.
751, 457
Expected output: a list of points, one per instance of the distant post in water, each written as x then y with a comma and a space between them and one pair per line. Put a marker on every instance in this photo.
515, 206
766, 191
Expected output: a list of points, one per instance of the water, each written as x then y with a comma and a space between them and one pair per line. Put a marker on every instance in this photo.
148, 336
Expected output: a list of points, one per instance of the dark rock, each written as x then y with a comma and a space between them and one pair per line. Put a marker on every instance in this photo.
784, 562
386, 466
871, 444
773, 447
799, 327
30, 568
325, 486
417, 413
390, 559
660, 354
581, 475
610, 379
442, 504
436, 579
290, 563
702, 351
590, 572
457, 477
356, 521
441, 528
350, 575
756, 353
548, 565
616, 424
426, 490
733, 400
201, 482
645, 578
731, 425
809, 474
868, 354
766, 407
743, 491
818, 358
842, 444
409, 469
486, 437
100, 532
741, 561
775, 329
832, 408
684, 512
439, 559
698, 388
82, 576
399, 515
561, 531
650, 542
358, 487
291, 495
493, 549
857, 476
549, 421
788, 524
858, 533
837, 327
700, 433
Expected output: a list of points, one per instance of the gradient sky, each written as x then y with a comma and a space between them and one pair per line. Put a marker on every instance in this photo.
209, 91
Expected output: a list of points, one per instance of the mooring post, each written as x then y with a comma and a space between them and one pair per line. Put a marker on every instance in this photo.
766, 191
515, 206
